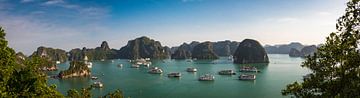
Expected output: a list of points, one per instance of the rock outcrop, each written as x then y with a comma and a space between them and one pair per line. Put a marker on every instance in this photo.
225, 48
143, 47
250, 51
283, 49
309, 50
51, 54
182, 52
76, 69
99, 53
204, 51
306, 51
295, 53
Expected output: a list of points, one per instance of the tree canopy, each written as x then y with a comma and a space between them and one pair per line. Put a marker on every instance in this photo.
335, 67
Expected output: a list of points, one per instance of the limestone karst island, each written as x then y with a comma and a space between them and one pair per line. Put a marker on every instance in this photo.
179, 49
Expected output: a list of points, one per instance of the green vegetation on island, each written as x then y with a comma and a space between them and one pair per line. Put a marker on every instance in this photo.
76, 69
250, 51
143, 47
335, 71
204, 51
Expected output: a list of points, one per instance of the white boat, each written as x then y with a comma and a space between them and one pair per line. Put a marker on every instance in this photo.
94, 78
247, 77
57, 62
98, 84
88, 64
120, 65
155, 71
248, 69
227, 72
154, 67
135, 66
102, 60
191, 69
207, 77
174, 74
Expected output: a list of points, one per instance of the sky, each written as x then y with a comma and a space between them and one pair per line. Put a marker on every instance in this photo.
69, 24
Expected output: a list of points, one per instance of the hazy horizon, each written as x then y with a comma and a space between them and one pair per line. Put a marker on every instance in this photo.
68, 24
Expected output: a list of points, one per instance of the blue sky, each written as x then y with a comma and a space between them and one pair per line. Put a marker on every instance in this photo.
69, 24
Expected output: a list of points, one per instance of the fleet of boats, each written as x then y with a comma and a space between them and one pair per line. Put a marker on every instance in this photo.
156, 70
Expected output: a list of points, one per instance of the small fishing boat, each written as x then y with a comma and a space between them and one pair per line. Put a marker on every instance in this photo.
248, 69
155, 71
98, 84
94, 78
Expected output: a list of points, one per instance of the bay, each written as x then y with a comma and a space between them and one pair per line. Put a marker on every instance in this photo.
138, 83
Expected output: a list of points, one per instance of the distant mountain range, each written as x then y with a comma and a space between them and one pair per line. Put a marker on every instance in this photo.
144, 47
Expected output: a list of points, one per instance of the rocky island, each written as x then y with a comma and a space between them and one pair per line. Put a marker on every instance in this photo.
76, 69
306, 51
250, 51
204, 51
99, 53
49, 57
143, 47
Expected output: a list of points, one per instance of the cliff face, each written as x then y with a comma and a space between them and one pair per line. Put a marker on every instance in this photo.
225, 48
250, 51
204, 51
307, 50
295, 53
76, 69
51, 54
99, 53
143, 47
182, 52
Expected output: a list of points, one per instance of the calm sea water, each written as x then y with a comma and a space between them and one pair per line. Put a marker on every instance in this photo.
137, 83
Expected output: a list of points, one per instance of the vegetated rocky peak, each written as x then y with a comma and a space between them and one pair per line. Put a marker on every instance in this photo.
295, 53
105, 46
182, 52
50, 54
143, 47
225, 48
204, 51
250, 51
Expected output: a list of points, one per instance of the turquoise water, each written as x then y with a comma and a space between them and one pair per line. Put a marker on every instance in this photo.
137, 83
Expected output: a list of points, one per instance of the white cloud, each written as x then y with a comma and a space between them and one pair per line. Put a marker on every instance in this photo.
26, 1
53, 2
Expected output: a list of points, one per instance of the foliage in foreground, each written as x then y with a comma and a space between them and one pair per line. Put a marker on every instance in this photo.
336, 65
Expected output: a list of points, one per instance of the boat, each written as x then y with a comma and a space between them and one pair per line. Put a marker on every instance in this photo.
155, 71
191, 69
135, 66
57, 62
102, 60
174, 74
98, 84
120, 65
227, 72
247, 77
147, 65
89, 64
248, 69
154, 67
207, 77
94, 78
